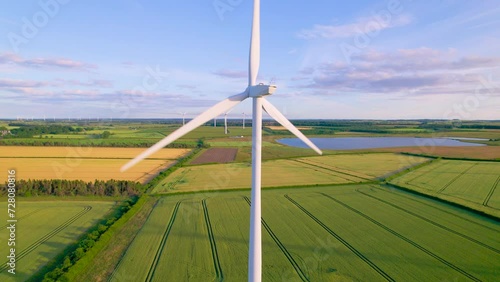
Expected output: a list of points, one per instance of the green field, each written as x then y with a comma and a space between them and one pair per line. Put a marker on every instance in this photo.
469, 183
331, 169
361, 233
44, 230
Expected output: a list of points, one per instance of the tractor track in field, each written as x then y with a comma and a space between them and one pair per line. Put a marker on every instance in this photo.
313, 164
404, 238
433, 222
439, 164
434, 207
213, 246
344, 242
282, 247
492, 190
24, 216
48, 236
455, 179
159, 251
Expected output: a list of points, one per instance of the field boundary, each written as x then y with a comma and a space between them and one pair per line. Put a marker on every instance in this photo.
344, 242
450, 158
405, 170
404, 238
282, 247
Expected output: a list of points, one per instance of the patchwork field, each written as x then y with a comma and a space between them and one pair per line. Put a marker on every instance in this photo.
472, 184
45, 229
333, 169
82, 163
85, 152
81, 169
216, 155
339, 233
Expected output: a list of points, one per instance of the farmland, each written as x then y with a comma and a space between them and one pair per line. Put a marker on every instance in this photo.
45, 229
309, 235
216, 155
469, 183
333, 169
85, 152
332, 218
78, 163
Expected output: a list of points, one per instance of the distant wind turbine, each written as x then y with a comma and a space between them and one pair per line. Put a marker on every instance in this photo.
257, 93
183, 118
225, 123
244, 115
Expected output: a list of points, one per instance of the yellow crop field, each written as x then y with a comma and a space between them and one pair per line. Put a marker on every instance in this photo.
82, 163
85, 152
80, 169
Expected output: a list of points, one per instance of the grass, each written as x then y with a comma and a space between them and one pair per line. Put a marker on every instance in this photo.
45, 229
333, 169
355, 232
469, 183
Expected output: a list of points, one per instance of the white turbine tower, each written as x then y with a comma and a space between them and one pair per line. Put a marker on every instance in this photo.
257, 93
225, 123
244, 115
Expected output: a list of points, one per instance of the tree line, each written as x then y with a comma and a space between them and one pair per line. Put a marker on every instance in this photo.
28, 131
61, 187
123, 143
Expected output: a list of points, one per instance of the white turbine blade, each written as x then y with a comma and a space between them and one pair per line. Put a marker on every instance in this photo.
279, 117
191, 125
254, 60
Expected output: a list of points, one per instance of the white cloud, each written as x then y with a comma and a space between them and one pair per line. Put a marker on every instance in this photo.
61, 63
421, 71
361, 25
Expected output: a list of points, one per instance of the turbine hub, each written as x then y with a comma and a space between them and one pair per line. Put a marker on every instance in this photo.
260, 90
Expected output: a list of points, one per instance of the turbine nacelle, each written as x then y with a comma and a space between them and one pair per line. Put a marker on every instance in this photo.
260, 90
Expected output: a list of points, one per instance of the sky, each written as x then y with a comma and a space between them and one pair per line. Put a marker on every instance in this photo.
393, 59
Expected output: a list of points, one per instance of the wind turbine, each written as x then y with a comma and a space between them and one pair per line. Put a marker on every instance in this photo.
244, 115
183, 118
225, 123
257, 93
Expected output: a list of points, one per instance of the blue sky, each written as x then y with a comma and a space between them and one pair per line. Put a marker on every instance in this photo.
396, 59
